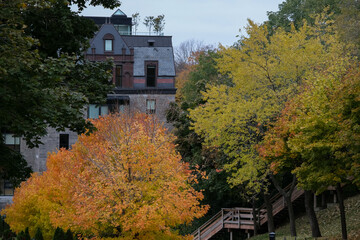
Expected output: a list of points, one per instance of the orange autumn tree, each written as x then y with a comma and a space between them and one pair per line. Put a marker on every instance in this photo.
125, 180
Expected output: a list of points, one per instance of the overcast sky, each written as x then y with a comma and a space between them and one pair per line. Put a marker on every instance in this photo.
210, 21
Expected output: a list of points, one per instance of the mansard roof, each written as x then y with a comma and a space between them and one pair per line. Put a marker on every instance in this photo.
163, 55
143, 41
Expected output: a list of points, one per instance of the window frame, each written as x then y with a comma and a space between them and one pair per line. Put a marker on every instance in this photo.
99, 110
118, 76
15, 141
61, 140
151, 64
108, 37
150, 110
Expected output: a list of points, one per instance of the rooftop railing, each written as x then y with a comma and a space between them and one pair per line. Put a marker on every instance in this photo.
141, 33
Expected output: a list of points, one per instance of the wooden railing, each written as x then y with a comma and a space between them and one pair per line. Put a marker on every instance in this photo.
242, 218
230, 218
279, 204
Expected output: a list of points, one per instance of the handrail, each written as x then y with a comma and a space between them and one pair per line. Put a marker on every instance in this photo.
207, 223
241, 218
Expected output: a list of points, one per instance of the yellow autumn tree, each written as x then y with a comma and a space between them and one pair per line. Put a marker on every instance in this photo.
267, 71
124, 181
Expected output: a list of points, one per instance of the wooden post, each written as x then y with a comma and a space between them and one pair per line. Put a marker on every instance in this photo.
231, 235
199, 232
284, 202
222, 217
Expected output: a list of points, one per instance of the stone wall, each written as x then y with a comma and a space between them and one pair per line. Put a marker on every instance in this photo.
36, 157
138, 104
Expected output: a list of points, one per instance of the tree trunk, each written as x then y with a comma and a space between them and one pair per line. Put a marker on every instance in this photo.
269, 212
254, 217
342, 211
291, 214
309, 206
287, 198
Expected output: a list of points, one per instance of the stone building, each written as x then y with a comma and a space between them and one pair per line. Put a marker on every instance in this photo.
143, 78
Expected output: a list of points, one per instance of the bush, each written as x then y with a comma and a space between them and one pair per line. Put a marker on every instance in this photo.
59, 234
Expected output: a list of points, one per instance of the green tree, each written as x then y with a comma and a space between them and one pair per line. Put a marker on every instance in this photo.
38, 235
105, 3
316, 136
26, 234
296, 11
58, 29
59, 234
13, 166
149, 22
159, 24
322, 133
69, 235
39, 86
348, 23
135, 21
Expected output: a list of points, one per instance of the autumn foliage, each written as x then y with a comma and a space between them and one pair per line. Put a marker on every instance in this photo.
125, 180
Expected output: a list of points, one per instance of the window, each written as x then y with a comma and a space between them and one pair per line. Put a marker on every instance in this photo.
12, 142
118, 76
94, 111
64, 141
108, 45
118, 104
150, 106
123, 29
119, 107
6, 188
151, 75
108, 42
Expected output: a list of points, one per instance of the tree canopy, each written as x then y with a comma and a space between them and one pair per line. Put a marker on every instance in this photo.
266, 71
40, 88
125, 180
297, 11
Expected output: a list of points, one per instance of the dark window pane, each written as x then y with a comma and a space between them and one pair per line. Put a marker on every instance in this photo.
64, 141
118, 76
150, 76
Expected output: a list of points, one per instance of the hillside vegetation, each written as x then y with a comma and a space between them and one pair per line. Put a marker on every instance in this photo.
329, 223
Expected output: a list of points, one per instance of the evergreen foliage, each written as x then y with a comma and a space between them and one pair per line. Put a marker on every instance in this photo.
38, 235
69, 235
45, 81
59, 234
20, 236
27, 234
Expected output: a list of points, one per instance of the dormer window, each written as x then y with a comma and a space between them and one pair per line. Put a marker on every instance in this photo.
108, 45
108, 42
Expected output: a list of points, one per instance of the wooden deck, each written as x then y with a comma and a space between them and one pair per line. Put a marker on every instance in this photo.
241, 218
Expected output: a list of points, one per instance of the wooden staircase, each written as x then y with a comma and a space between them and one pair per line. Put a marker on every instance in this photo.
242, 218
